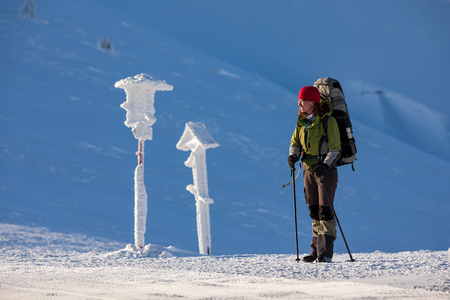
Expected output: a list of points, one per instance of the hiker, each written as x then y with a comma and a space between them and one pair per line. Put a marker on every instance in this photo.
319, 153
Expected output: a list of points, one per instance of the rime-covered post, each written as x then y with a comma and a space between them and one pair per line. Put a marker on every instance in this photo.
140, 91
197, 139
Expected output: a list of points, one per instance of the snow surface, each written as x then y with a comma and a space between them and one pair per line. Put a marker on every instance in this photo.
36, 264
67, 160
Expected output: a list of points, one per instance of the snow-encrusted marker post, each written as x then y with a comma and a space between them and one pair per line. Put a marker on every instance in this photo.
140, 91
197, 139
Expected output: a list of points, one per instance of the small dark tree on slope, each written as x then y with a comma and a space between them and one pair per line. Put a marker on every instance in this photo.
105, 44
29, 9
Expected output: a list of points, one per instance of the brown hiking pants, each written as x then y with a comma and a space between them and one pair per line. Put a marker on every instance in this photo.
324, 225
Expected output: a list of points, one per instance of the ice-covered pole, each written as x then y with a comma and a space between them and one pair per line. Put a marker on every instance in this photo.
140, 91
197, 139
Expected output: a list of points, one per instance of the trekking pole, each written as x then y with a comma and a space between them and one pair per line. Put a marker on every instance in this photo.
295, 211
336, 217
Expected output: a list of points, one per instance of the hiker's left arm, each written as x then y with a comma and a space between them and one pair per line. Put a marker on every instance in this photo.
334, 142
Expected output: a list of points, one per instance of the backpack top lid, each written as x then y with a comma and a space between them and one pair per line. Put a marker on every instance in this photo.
330, 89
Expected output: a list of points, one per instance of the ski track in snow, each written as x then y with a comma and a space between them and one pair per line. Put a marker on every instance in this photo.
37, 264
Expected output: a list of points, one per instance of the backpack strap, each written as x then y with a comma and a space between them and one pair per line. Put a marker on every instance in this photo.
324, 139
325, 131
325, 125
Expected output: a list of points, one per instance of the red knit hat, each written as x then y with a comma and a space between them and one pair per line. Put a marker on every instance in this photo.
309, 93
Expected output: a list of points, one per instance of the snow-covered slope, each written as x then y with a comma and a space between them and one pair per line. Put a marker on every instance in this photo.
401, 46
67, 159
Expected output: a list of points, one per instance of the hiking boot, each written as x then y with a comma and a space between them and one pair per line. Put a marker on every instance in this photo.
324, 259
309, 258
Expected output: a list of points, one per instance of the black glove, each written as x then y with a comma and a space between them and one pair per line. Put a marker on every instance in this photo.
292, 159
320, 169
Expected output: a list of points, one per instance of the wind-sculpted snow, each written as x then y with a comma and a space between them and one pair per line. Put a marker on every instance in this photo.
405, 119
62, 265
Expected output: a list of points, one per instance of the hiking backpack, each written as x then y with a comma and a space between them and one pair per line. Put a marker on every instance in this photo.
330, 89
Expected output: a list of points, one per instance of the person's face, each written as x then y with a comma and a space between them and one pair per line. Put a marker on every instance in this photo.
306, 106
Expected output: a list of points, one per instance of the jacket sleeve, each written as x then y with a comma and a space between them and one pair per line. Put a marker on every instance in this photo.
334, 142
296, 147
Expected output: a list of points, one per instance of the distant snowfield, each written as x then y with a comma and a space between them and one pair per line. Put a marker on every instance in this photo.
36, 264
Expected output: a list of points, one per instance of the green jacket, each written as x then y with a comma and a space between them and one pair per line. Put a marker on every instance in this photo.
315, 142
